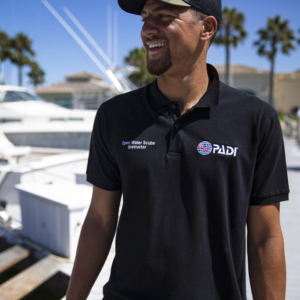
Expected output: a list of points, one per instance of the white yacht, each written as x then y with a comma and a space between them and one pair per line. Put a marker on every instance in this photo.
28, 120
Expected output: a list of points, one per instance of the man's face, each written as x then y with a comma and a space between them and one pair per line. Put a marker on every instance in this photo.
170, 35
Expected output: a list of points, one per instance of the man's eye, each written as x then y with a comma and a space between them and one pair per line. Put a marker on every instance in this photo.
161, 16
164, 16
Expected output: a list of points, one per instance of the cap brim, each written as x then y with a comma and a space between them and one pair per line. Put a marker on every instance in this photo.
132, 6
176, 2
136, 6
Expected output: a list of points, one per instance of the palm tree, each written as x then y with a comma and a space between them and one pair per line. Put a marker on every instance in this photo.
276, 34
36, 75
4, 50
3, 40
21, 44
231, 33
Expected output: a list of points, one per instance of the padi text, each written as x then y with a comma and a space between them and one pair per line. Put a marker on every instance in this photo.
225, 150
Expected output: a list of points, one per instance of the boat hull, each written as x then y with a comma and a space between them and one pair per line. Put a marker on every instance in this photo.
62, 140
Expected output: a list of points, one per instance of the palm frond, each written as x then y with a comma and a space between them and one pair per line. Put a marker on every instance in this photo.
276, 33
232, 30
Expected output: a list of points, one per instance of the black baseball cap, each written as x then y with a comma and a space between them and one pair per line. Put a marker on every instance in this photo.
208, 7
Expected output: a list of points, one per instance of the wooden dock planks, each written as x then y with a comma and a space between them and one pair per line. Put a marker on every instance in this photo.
12, 256
29, 279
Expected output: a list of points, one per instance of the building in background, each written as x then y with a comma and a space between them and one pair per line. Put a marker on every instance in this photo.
256, 82
81, 90
250, 80
287, 92
88, 91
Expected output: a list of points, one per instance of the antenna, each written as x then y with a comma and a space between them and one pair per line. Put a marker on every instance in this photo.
116, 38
87, 35
109, 31
108, 72
123, 80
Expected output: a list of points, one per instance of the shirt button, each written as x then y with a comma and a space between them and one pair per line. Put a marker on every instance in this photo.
177, 126
173, 106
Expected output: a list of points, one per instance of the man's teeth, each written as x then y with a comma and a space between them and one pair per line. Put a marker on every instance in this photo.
157, 45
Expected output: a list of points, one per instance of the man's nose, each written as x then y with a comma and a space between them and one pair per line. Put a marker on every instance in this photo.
149, 28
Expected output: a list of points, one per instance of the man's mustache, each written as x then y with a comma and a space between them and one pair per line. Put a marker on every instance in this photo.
156, 38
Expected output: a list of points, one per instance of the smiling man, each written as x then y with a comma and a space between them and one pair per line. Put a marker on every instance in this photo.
197, 162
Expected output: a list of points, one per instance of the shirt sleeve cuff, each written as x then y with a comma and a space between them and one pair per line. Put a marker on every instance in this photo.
269, 200
102, 184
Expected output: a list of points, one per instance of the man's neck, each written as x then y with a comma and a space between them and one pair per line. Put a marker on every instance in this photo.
186, 88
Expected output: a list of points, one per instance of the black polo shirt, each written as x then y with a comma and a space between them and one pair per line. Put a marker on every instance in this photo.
187, 182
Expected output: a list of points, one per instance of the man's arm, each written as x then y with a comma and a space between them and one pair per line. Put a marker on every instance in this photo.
267, 270
94, 243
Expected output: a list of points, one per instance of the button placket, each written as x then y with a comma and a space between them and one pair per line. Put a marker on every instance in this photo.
173, 142
172, 148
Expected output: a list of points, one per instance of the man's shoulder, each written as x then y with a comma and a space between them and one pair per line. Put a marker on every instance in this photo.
124, 100
243, 101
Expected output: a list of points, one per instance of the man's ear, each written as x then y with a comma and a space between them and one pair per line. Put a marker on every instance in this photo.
210, 25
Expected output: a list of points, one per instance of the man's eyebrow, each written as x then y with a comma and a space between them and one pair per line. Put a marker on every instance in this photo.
156, 9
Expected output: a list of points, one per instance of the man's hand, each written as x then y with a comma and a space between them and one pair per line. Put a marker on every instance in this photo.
94, 243
266, 259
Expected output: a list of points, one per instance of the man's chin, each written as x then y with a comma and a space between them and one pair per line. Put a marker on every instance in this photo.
158, 68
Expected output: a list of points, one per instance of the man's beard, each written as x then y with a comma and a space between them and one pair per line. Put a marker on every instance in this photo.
160, 66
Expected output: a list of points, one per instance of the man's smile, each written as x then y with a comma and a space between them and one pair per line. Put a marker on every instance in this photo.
155, 46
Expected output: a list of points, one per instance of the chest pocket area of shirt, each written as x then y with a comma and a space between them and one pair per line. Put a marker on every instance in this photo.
140, 155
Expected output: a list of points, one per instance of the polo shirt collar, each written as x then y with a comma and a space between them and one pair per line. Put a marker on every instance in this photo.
209, 99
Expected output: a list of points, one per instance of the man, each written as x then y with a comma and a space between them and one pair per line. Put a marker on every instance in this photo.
196, 161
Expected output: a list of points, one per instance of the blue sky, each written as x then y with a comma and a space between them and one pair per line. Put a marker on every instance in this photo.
59, 55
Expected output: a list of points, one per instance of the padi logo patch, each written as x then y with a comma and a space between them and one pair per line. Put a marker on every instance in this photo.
205, 148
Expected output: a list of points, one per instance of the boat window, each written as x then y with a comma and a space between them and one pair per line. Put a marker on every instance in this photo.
75, 119
7, 120
29, 96
57, 119
66, 119
12, 96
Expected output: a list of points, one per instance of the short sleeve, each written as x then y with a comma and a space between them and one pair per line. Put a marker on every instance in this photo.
102, 169
270, 181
